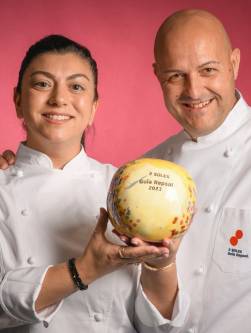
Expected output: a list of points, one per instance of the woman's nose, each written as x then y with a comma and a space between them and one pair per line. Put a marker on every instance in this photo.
58, 97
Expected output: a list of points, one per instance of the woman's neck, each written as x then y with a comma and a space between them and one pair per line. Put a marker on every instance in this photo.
59, 153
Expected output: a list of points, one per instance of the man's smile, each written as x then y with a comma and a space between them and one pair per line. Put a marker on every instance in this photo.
198, 105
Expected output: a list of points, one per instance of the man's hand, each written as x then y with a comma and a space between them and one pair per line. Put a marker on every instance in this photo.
102, 257
6, 159
171, 246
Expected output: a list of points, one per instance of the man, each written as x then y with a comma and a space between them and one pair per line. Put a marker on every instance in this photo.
197, 69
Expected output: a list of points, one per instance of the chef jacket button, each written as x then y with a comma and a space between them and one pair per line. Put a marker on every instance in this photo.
46, 324
98, 316
25, 212
19, 173
191, 330
200, 270
208, 209
169, 150
13, 171
228, 152
92, 175
30, 261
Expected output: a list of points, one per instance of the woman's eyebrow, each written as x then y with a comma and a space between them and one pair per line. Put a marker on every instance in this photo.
43, 73
73, 76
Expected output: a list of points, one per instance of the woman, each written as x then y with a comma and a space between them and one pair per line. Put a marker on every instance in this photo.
49, 200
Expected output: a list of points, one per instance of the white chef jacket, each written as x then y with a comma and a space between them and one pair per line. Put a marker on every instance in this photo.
214, 265
46, 217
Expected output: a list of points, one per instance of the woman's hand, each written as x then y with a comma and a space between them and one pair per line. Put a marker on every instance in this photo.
6, 159
99, 258
102, 257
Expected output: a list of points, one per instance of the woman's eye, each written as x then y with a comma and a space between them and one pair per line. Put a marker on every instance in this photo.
77, 87
42, 84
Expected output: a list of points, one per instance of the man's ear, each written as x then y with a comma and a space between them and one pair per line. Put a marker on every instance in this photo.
235, 60
93, 112
156, 71
17, 102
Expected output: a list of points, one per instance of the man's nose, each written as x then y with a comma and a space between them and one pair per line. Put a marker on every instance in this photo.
193, 86
58, 96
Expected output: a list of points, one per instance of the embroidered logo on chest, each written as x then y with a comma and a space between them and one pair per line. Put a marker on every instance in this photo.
234, 241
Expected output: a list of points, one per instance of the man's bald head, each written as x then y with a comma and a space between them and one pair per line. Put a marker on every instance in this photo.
197, 69
189, 22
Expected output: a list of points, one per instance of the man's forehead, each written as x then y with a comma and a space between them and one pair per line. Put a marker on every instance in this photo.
193, 51
188, 30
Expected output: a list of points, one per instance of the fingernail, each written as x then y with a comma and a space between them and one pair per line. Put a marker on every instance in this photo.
154, 249
134, 242
167, 242
102, 211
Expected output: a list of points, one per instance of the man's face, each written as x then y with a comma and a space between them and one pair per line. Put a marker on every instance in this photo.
197, 72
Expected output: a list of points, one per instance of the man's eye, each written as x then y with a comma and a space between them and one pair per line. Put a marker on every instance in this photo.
176, 77
209, 70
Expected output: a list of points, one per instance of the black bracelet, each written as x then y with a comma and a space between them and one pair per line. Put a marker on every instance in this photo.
75, 276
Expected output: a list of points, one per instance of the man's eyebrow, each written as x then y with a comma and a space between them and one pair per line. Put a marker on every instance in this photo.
51, 76
211, 62
179, 71
171, 70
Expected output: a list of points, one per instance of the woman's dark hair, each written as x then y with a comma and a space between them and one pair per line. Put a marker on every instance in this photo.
57, 44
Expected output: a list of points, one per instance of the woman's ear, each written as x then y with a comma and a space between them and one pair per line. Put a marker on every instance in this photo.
17, 102
155, 68
93, 112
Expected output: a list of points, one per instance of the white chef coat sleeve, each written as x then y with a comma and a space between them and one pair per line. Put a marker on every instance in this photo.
19, 289
149, 319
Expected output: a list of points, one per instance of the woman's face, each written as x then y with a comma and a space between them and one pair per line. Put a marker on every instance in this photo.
56, 100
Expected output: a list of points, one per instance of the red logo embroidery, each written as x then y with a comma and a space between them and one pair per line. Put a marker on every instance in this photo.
234, 239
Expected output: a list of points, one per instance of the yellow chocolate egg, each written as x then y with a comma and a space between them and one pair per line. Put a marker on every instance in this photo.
151, 199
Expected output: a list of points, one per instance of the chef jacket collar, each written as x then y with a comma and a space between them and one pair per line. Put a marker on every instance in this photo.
234, 120
29, 156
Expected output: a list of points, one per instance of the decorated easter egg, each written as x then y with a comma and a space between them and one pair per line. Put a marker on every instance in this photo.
151, 199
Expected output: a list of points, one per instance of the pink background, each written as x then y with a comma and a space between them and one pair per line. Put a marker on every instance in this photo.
131, 118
